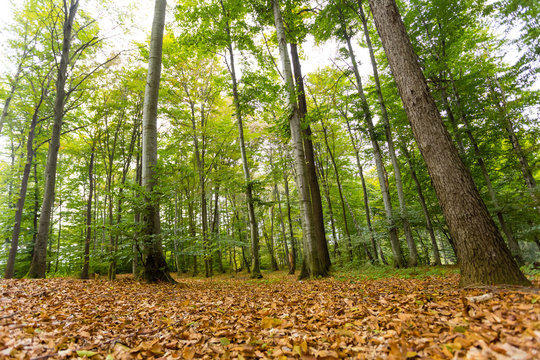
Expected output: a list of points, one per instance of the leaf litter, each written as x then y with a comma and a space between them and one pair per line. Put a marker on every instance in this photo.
389, 318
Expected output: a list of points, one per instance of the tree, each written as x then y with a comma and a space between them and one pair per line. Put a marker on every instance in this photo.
483, 257
314, 263
155, 266
38, 267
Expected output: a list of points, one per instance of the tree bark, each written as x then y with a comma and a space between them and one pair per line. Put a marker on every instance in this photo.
22, 192
38, 266
155, 265
314, 263
314, 189
483, 256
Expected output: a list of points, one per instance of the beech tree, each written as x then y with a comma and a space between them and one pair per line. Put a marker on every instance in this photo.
38, 267
483, 257
155, 266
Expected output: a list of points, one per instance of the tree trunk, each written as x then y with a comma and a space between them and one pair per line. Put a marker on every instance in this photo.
394, 240
364, 193
483, 256
38, 266
86, 259
422, 201
59, 231
270, 241
254, 231
314, 189
413, 254
340, 191
324, 179
282, 227
294, 254
155, 266
314, 262
22, 192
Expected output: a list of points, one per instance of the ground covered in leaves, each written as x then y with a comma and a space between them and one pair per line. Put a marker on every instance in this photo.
277, 317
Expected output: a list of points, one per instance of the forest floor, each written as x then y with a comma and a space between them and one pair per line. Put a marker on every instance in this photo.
421, 315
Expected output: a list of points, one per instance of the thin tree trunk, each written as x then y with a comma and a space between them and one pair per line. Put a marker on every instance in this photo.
422, 201
59, 232
155, 265
358, 230
39, 259
255, 258
364, 193
324, 178
413, 254
394, 240
282, 227
340, 191
22, 192
270, 241
483, 256
294, 254
86, 255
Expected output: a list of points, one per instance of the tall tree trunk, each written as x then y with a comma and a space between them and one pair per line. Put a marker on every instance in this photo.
392, 230
364, 193
314, 262
483, 255
137, 216
340, 191
294, 254
88, 237
413, 254
422, 200
314, 189
22, 192
270, 241
324, 179
39, 259
282, 227
36, 202
215, 229
59, 231
155, 265
254, 231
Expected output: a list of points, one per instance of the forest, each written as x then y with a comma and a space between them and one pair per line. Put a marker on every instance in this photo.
222, 201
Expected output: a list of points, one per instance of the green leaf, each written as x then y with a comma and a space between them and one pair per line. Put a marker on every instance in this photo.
86, 353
